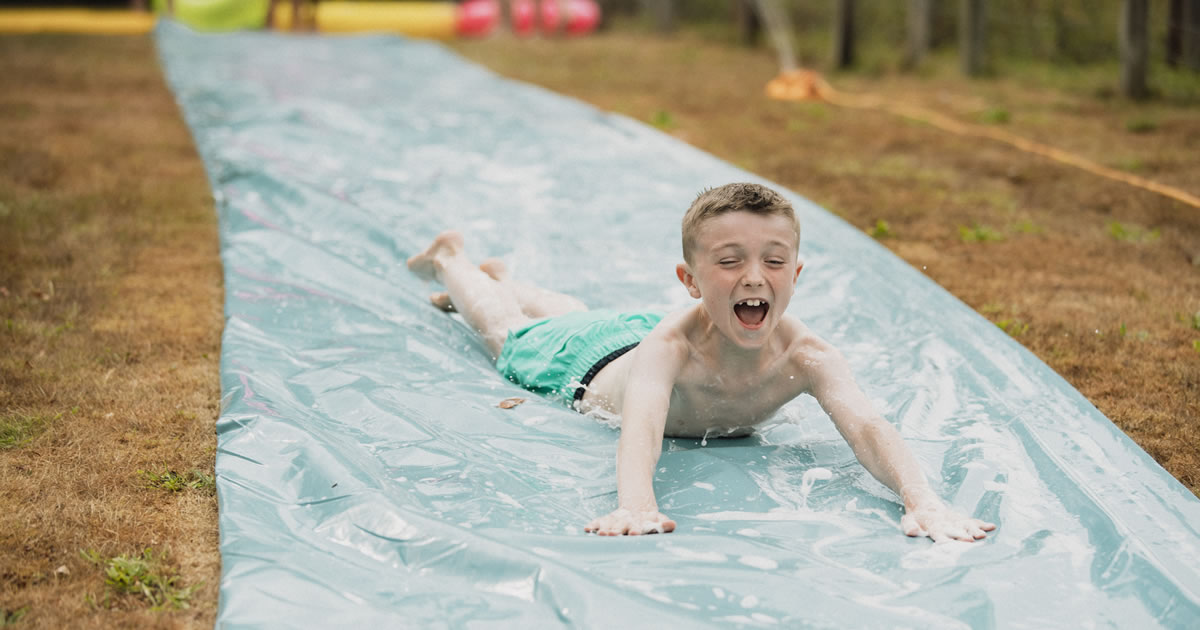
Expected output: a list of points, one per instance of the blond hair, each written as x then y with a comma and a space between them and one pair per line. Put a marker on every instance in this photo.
743, 197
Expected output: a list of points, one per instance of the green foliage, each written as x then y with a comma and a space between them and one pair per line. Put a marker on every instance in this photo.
1132, 233
995, 116
881, 230
1141, 124
1025, 226
662, 119
978, 233
142, 576
1196, 320
11, 617
18, 429
1196, 345
174, 482
1014, 327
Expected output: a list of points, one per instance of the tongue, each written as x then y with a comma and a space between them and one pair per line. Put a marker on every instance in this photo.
750, 315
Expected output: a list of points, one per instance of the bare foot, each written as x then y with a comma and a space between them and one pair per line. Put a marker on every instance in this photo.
441, 300
425, 264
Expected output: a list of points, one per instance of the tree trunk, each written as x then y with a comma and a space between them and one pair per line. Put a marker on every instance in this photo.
663, 14
920, 32
1174, 32
843, 34
748, 22
1191, 35
1135, 47
972, 36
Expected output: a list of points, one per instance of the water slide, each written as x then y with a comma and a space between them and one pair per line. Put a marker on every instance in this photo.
367, 475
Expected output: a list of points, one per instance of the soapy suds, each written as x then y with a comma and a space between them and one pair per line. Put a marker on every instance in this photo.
692, 554
759, 562
704, 486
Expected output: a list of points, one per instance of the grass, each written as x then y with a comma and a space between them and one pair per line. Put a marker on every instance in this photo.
142, 577
18, 429
1132, 233
881, 229
110, 319
978, 233
172, 481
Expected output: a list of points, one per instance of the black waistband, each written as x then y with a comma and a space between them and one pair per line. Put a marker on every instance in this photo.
591, 374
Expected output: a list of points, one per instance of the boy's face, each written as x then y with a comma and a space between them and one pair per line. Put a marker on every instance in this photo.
744, 268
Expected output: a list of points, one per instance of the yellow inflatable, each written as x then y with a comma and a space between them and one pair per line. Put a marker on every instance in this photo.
440, 20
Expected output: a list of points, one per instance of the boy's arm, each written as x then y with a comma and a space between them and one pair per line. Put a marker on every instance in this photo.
659, 360
881, 450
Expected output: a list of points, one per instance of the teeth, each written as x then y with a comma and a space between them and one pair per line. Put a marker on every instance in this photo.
752, 302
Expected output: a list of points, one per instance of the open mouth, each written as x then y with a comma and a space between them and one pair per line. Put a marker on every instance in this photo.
751, 312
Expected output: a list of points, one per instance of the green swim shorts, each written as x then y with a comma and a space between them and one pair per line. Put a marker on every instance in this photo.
560, 355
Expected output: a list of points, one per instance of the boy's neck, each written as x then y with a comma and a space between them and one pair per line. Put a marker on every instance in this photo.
731, 353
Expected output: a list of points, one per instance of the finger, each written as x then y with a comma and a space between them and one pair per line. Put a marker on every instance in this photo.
977, 533
986, 526
668, 526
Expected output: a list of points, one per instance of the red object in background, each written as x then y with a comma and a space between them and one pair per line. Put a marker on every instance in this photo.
476, 18
581, 18
524, 14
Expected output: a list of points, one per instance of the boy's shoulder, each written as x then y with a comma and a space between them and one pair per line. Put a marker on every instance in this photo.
801, 343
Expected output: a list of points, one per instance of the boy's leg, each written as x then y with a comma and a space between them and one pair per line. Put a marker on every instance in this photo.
535, 301
487, 306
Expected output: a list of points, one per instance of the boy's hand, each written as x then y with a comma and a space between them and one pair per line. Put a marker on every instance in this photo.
941, 523
627, 522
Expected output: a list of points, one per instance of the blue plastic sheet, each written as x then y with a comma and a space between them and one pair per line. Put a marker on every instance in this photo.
367, 476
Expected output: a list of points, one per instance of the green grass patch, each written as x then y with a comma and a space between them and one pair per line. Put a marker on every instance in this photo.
881, 230
995, 116
1025, 226
663, 120
12, 617
18, 429
1131, 233
1014, 327
141, 576
979, 233
172, 481
1141, 124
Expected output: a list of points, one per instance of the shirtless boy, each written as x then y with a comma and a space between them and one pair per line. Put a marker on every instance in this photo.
719, 367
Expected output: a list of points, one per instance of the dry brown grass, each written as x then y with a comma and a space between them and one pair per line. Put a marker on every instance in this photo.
110, 314
110, 319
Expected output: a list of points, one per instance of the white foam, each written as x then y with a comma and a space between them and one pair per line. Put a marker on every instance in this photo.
692, 554
759, 562
749, 601
704, 486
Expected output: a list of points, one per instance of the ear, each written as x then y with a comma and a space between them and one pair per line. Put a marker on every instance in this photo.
685, 276
799, 266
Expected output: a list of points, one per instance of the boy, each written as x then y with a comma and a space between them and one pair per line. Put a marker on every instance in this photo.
719, 367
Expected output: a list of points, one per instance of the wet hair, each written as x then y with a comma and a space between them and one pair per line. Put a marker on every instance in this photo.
736, 197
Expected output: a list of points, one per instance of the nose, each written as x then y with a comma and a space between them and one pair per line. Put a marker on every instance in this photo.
753, 277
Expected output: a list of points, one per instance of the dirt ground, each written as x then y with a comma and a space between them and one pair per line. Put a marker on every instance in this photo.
110, 285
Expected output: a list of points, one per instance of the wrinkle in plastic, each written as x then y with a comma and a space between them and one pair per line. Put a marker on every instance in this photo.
366, 474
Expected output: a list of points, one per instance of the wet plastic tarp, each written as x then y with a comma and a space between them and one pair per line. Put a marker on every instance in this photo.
367, 476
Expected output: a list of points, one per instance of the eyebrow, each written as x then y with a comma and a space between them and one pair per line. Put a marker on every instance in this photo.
737, 245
